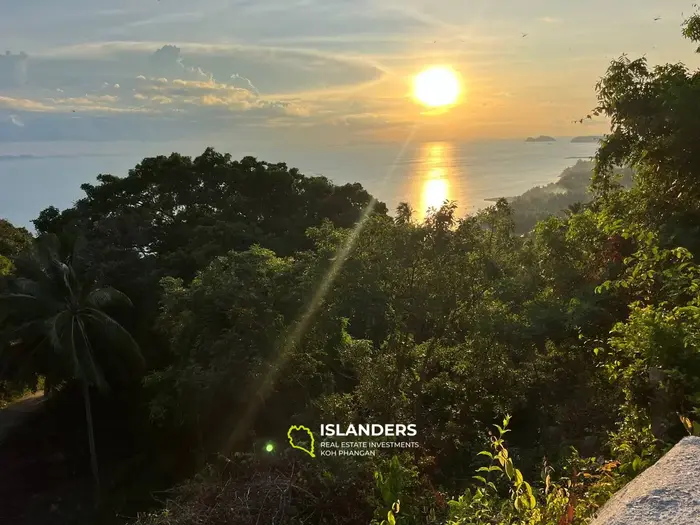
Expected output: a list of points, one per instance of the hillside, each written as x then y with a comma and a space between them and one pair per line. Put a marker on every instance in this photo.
558, 198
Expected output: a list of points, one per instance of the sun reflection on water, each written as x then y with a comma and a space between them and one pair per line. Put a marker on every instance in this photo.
434, 177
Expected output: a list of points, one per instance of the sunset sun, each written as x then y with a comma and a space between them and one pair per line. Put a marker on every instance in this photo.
436, 86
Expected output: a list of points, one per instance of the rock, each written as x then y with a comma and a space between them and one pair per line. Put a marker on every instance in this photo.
667, 493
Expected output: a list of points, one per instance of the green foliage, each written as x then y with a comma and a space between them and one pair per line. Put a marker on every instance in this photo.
502, 495
13, 241
567, 196
261, 304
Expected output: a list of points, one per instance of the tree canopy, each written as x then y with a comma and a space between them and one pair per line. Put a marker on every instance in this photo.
266, 299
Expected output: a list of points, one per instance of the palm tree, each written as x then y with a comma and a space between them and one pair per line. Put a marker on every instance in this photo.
56, 315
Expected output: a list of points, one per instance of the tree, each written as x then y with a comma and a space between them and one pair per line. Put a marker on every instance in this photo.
170, 216
654, 116
187, 211
56, 317
13, 241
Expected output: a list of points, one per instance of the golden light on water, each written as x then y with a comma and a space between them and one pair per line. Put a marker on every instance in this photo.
437, 86
435, 190
434, 183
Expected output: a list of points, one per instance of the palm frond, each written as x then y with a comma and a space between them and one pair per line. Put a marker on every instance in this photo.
80, 256
58, 328
104, 297
26, 330
116, 333
26, 286
87, 286
47, 300
17, 305
89, 369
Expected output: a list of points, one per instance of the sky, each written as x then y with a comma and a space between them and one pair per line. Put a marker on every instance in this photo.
315, 71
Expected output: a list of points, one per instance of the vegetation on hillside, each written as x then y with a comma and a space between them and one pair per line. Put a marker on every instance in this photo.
263, 298
569, 194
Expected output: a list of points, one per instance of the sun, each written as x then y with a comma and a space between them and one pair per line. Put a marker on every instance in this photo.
437, 86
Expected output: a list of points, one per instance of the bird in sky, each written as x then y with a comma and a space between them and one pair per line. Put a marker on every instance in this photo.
657, 18
524, 35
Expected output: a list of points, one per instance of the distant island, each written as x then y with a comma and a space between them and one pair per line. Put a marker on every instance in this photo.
587, 138
541, 138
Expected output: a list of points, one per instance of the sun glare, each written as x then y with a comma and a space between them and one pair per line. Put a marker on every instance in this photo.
436, 86
435, 192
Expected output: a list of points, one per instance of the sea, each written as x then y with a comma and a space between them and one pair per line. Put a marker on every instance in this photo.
34, 176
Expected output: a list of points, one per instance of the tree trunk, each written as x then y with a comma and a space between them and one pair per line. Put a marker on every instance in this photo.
91, 441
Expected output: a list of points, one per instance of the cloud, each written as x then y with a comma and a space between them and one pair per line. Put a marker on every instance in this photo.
269, 69
16, 121
550, 20
23, 104
248, 85
246, 82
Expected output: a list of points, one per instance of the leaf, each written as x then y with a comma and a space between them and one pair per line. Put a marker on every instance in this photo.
480, 478
390, 518
510, 470
686, 423
528, 488
518, 477
532, 501
570, 513
485, 453
637, 464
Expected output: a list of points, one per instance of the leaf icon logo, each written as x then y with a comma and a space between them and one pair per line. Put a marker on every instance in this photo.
298, 429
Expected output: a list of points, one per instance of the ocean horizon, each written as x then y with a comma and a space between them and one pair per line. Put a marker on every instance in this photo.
37, 175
